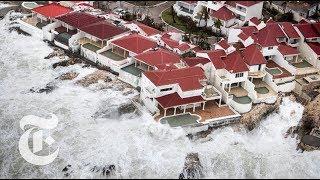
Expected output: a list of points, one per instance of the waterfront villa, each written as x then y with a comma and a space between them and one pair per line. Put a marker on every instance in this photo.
142, 29
66, 31
310, 44
95, 36
279, 43
251, 66
230, 13
181, 95
119, 52
178, 47
41, 18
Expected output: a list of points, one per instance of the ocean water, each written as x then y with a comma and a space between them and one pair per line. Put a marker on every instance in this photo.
136, 145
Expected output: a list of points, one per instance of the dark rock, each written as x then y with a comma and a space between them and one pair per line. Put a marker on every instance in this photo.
126, 108
192, 167
47, 89
251, 119
105, 170
68, 76
66, 168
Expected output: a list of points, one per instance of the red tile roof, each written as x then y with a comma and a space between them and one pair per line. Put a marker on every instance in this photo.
255, 20
289, 30
183, 47
159, 58
309, 30
193, 61
173, 100
135, 43
243, 36
103, 30
287, 50
250, 31
224, 44
216, 58
315, 46
253, 56
268, 35
187, 78
247, 3
303, 21
223, 14
147, 29
270, 20
52, 10
79, 19
170, 42
235, 63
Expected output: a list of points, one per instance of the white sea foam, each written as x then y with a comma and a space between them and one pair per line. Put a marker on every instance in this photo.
137, 146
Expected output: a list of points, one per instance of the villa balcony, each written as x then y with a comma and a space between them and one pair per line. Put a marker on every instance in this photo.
34, 21
257, 74
84, 41
303, 67
211, 93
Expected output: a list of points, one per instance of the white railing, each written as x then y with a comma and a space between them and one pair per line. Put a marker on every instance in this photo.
30, 29
73, 41
269, 80
241, 108
129, 78
249, 86
283, 63
47, 30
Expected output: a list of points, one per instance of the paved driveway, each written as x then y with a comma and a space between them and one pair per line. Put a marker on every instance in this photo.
153, 12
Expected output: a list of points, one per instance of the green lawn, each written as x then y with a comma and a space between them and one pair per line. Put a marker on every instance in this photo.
167, 17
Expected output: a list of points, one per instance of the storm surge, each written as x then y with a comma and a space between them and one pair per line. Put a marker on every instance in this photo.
88, 136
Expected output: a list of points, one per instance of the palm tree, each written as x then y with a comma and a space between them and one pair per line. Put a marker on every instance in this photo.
284, 6
218, 24
172, 13
206, 16
203, 14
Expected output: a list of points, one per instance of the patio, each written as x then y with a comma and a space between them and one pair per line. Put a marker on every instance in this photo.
35, 22
111, 55
238, 91
133, 70
277, 71
91, 47
212, 111
210, 92
304, 68
263, 89
181, 120
63, 38
87, 40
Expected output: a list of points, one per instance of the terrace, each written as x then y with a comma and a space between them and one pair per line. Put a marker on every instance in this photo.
111, 55
34, 21
263, 89
181, 120
211, 113
133, 70
89, 41
303, 67
277, 71
91, 47
63, 35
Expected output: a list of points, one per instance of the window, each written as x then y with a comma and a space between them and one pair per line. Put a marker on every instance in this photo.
239, 75
270, 48
166, 89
